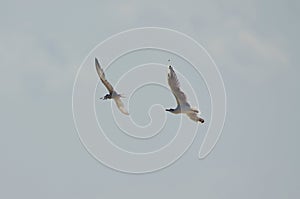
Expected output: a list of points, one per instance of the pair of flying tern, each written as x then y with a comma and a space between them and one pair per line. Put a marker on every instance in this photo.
182, 105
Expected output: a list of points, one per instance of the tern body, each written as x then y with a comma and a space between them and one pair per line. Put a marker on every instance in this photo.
182, 105
112, 93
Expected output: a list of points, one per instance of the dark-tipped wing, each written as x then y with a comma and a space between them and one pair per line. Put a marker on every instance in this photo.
120, 105
175, 87
102, 77
193, 116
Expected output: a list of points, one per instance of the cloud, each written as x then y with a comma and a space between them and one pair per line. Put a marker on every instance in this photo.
262, 48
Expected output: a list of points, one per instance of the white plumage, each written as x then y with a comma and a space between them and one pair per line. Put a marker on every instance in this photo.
112, 93
182, 105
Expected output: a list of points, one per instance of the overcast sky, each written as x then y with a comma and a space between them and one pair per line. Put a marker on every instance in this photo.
255, 45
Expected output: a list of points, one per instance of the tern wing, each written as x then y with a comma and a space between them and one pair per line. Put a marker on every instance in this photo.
193, 116
120, 105
175, 87
102, 77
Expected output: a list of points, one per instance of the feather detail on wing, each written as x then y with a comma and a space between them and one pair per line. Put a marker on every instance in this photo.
120, 105
195, 110
175, 87
102, 77
193, 116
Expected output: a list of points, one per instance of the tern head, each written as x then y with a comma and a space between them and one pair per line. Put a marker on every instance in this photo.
170, 110
107, 96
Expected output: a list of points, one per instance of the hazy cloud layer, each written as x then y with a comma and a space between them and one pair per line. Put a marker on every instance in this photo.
254, 43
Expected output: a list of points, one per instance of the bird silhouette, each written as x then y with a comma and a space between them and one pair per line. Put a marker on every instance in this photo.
182, 105
112, 93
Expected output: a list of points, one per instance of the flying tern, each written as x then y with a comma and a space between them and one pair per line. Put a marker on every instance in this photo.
182, 105
112, 93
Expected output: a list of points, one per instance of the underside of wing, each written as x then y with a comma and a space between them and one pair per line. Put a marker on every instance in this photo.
102, 77
193, 116
175, 87
120, 105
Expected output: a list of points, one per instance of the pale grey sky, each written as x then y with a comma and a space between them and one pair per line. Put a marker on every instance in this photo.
254, 43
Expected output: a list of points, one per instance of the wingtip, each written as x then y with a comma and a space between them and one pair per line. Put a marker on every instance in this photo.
201, 120
97, 62
125, 112
98, 66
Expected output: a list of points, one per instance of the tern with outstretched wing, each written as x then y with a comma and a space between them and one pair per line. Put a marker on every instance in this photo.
112, 93
182, 105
